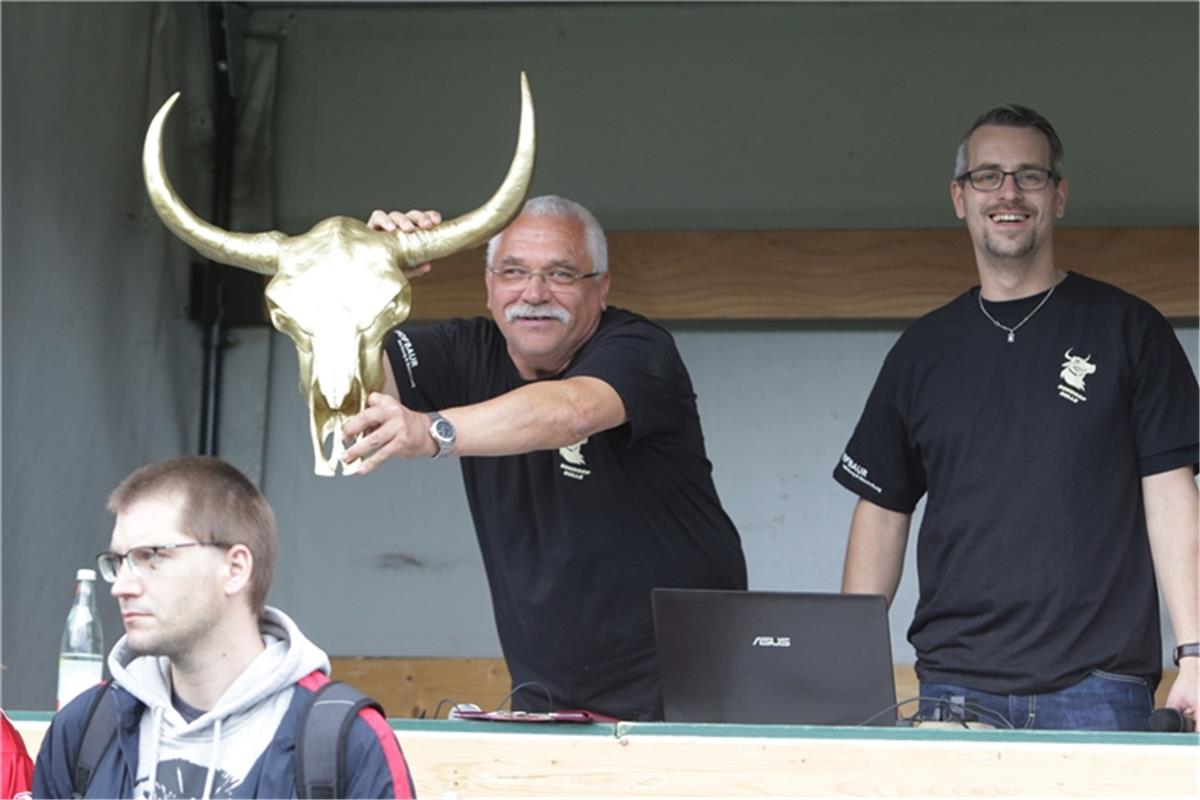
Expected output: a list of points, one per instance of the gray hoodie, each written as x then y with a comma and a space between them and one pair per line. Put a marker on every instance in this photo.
223, 743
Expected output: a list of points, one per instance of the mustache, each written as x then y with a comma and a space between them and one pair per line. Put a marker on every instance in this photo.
527, 311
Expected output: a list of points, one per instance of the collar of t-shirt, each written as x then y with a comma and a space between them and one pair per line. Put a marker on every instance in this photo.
1010, 312
189, 713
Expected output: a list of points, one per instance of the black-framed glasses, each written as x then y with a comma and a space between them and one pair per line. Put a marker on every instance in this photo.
142, 560
519, 276
988, 179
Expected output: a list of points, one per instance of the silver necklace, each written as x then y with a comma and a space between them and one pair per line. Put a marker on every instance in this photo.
1012, 332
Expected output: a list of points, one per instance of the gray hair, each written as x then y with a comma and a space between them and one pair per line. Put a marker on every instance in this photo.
1013, 116
550, 205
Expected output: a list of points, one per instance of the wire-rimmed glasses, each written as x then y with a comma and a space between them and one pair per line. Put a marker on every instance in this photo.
519, 276
142, 560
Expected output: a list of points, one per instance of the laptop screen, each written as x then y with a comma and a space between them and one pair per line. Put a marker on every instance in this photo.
774, 657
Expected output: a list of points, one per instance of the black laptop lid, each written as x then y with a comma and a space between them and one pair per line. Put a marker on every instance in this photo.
774, 657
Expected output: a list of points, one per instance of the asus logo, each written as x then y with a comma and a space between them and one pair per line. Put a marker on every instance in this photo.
772, 641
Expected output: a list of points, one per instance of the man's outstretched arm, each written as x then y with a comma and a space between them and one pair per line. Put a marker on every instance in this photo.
539, 416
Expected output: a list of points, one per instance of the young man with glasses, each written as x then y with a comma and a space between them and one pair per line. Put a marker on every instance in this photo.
210, 684
583, 459
1051, 420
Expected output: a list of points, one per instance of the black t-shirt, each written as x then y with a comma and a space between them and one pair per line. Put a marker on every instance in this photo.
188, 712
574, 539
1033, 561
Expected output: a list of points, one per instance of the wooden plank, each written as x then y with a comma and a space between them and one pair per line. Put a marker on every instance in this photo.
502, 764
413, 687
832, 274
454, 759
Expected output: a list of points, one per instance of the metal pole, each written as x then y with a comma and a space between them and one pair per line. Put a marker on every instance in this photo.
212, 312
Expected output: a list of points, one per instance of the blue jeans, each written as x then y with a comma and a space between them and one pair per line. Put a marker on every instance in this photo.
1102, 701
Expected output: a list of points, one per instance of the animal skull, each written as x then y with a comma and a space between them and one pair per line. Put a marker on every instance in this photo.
339, 288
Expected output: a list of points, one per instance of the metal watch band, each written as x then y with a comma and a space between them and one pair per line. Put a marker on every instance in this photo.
445, 445
1185, 650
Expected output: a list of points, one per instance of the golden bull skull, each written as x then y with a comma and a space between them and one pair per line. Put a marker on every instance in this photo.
339, 288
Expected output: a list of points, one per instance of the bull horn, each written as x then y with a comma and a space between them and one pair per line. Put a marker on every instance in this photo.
1067, 355
258, 252
476, 227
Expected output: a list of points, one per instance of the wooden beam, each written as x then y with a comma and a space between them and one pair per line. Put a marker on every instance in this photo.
413, 687
488, 759
832, 274
676, 761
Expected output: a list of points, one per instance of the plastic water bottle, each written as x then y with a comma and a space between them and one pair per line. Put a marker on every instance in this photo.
81, 658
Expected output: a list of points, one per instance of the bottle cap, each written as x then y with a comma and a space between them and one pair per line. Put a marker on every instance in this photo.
85, 575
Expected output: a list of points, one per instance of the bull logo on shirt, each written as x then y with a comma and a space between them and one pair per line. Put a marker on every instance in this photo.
1075, 369
573, 463
573, 453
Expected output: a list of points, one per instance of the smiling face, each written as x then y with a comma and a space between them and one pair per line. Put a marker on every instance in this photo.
1009, 224
171, 609
545, 324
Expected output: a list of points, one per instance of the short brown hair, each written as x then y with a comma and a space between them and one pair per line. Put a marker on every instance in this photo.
1013, 116
220, 506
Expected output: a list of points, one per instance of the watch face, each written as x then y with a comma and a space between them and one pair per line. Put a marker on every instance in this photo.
443, 430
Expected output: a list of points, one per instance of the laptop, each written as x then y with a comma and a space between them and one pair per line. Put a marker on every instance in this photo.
774, 657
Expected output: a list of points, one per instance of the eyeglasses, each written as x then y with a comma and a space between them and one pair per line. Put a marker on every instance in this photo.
142, 560
1030, 179
519, 276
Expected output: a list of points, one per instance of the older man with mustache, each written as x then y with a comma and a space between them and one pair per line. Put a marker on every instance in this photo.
582, 458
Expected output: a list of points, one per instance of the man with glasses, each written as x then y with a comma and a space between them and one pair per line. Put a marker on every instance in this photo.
582, 458
210, 684
1051, 420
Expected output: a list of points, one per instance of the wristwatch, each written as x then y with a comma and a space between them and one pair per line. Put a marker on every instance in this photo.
1184, 650
443, 433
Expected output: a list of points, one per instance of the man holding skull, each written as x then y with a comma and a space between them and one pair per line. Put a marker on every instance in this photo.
582, 457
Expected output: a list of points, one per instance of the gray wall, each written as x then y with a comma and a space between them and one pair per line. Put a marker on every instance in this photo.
778, 404
659, 117
681, 116
99, 360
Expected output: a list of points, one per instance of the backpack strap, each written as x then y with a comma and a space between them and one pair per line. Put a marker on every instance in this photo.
320, 760
99, 730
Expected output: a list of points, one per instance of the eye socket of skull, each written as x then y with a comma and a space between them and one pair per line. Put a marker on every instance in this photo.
285, 324
392, 314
